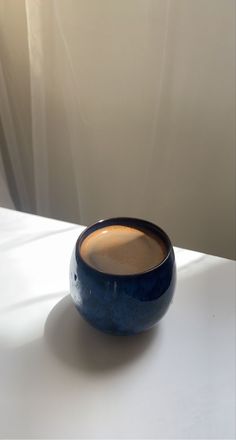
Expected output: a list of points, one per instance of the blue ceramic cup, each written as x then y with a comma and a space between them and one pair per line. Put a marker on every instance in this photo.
123, 304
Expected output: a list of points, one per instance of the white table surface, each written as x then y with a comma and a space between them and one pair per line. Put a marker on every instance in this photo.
59, 378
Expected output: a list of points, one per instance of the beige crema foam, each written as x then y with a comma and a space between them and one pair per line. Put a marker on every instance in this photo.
122, 250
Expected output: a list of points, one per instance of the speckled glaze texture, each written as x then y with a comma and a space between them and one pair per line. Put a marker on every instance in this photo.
122, 304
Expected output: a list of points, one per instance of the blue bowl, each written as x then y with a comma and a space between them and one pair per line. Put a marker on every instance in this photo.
122, 304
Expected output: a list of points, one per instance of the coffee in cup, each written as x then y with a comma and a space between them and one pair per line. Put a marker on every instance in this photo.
122, 275
123, 250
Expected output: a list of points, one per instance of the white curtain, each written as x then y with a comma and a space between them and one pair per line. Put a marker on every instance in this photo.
123, 107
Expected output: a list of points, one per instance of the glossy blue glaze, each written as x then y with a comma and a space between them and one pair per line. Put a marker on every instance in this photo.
122, 304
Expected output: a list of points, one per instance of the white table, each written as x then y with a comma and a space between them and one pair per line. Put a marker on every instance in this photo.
59, 378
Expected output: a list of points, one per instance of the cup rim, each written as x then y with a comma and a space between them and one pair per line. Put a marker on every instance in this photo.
123, 221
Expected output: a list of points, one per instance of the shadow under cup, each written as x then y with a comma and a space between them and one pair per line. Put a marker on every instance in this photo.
123, 304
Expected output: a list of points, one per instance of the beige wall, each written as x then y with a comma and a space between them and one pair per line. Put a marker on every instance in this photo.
140, 111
